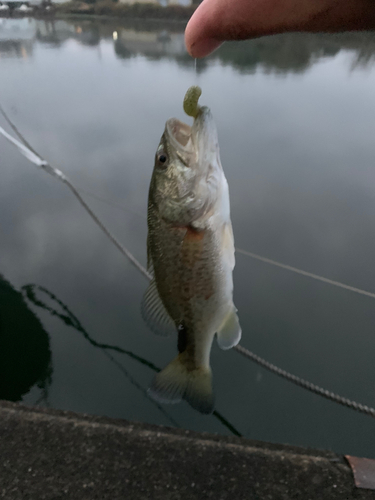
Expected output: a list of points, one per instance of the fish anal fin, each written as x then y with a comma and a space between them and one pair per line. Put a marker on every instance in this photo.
154, 313
229, 332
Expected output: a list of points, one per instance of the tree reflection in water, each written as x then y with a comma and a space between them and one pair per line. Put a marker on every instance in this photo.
25, 355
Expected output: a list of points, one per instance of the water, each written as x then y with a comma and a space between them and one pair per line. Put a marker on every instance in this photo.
296, 120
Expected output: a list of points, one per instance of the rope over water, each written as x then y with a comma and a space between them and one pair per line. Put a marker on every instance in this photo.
190, 107
305, 273
304, 383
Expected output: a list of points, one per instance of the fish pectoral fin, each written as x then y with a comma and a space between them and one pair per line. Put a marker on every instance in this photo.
228, 243
154, 313
229, 333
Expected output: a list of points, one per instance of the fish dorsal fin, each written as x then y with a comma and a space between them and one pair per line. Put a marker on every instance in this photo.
154, 313
229, 333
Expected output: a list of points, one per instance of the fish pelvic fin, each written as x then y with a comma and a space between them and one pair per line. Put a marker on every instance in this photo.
178, 381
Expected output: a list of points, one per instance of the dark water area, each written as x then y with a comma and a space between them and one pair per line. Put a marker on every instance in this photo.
296, 120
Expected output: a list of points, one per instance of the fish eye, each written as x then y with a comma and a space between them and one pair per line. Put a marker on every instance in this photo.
161, 159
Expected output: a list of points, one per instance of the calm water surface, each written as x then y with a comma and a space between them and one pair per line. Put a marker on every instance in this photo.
296, 121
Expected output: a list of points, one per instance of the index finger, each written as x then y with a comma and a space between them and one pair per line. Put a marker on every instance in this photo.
217, 20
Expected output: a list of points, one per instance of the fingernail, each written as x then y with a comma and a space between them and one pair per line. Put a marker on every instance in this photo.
204, 47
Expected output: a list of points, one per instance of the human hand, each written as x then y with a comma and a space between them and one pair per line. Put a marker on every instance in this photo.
215, 21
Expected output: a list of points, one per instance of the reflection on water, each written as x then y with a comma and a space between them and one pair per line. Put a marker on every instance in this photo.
294, 52
11, 383
152, 44
25, 356
17, 37
296, 136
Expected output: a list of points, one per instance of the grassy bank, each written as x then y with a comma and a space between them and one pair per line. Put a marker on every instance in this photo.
108, 8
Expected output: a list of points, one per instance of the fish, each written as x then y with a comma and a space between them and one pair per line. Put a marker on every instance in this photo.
190, 253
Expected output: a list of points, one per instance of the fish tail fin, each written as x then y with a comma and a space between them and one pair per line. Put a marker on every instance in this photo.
177, 382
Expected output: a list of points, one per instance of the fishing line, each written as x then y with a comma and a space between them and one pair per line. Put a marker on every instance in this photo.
196, 72
35, 158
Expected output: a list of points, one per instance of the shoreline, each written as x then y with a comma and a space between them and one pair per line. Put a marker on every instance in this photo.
107, 10
108, 17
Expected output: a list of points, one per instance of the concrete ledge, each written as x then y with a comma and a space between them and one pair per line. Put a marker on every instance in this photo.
50, 454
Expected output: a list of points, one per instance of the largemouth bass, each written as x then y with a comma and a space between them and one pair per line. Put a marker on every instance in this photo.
190, 251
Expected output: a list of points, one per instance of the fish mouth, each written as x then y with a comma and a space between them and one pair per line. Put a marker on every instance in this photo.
200, 139
179, 134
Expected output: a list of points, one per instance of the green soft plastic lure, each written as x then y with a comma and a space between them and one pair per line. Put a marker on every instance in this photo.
191, 99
